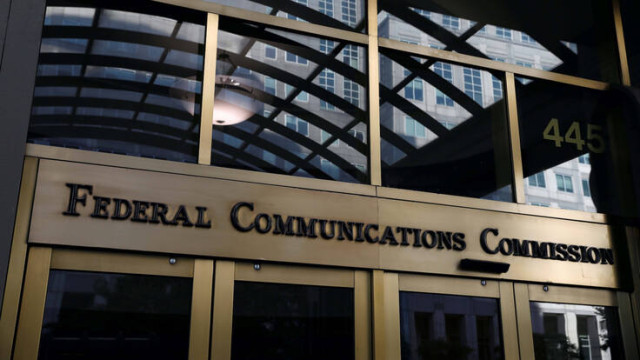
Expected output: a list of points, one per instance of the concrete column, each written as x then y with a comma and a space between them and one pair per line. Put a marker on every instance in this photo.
21, 43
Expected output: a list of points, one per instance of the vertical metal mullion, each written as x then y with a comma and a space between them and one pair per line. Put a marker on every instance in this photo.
17, 258
362, 316
509, 321
375, 163
32, 307
199, 336
208, 90
622, 48
514, 139
386, 316
629, 336
222, 310
633, 238
523, 316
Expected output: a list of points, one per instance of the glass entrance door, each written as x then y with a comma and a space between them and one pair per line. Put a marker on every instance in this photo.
271, 311
559, 322
452, 318
101, 305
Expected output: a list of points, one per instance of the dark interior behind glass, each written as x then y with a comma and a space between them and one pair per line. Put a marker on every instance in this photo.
279, 321
102, 316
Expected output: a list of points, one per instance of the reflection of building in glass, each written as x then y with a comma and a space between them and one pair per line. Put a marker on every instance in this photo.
577, 331
120, 81
313, 117
565, 186
461, 94
449, 327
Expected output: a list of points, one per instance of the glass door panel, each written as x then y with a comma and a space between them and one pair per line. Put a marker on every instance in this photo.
271, 311
435, 326
570, 331
574, 323
450, 318
284, 321
91, 315
102, 305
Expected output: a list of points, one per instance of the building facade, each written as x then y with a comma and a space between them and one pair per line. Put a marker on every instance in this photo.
211, 179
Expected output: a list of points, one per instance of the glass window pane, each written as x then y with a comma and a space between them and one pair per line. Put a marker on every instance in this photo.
137, 72
564, 138
306, 105
278, 321
449, 327
447, 137
115, 316
565, 37
566, 331
341, 14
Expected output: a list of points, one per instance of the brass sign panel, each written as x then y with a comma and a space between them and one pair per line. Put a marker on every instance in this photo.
106, 207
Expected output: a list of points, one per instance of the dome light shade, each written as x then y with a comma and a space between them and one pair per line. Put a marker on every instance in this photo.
234, 102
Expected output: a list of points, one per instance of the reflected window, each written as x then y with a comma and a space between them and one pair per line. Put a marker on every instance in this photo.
444, 71
92, 315
586, 190
449, 327
584, 159
566, 331
278, 321
414, 128
537, 180
327, 81
565, 183
270, 52
297, 124
450, 22
473, 84
503, 33
497, 88
413, 91
527, 39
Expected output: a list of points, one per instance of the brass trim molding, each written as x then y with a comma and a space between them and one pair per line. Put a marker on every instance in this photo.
571, 295
362, 315
489, 205
622, 47
172, 167
448, 285
509, 321
208, 90
199, 334
514, 140
222, 310
284, 23
17, 258
32, 306
487, 64
523, 316
386, 316
297, 275
102, 261
375, 159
